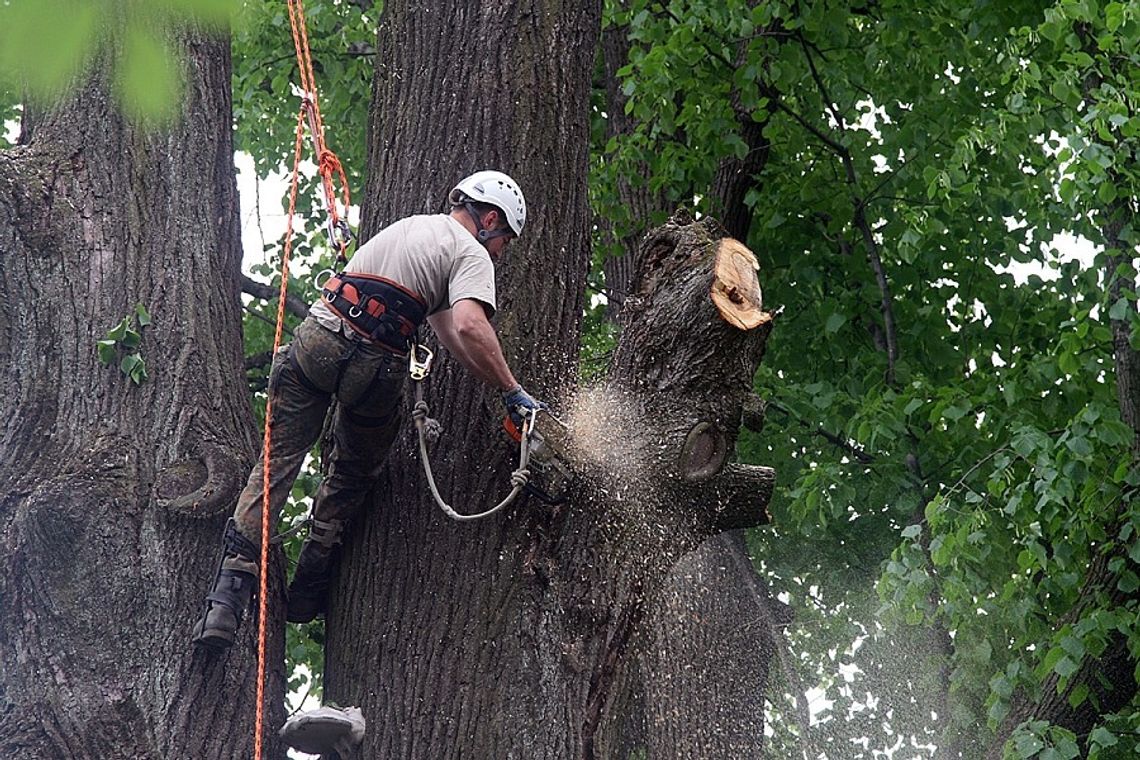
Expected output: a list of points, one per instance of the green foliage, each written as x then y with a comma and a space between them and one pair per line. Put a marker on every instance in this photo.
973, 478
121, 346
341, 39
47, 46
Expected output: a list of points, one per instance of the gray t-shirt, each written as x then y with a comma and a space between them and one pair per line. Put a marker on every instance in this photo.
432, 255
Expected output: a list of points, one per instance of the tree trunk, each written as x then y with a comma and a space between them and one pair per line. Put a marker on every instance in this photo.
447, 634
114, 494
713, 643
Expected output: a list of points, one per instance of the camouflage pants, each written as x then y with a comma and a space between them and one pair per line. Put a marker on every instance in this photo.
318, 366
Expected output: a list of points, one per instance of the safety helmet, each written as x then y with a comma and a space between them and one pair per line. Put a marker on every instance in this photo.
497, 189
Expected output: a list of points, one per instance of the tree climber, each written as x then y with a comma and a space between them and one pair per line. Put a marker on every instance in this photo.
353, 347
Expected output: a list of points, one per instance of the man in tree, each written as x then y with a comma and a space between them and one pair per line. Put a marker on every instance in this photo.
353, 347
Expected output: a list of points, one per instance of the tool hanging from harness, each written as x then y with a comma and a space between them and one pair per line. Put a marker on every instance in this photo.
377, 308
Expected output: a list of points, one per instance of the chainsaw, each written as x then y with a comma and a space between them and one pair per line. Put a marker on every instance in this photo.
548, 441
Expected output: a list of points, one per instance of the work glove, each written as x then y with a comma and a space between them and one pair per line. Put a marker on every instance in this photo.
519, 402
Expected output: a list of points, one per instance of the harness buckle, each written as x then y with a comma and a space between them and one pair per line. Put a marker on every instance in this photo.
418, 368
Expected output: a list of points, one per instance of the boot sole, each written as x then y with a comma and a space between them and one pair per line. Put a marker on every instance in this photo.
214, 640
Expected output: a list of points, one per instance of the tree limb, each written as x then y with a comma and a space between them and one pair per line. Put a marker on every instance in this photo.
258, 315
859, 218
827, 435
293, 304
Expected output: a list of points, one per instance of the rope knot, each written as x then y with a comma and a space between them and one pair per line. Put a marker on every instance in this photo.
520, 478
329, 164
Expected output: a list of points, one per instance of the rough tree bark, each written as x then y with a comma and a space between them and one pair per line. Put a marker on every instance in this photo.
682, 375
112, 495
679, 699
444, 633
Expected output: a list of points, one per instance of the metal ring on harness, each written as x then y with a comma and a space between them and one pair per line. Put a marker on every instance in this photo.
320, 283
354, 312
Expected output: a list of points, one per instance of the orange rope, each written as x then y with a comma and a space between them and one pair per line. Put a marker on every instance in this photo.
329, 165
327, 162
266, 446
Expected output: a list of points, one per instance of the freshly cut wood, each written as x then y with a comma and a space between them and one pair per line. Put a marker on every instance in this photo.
736, 287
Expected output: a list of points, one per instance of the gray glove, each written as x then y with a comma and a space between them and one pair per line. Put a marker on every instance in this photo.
519, 402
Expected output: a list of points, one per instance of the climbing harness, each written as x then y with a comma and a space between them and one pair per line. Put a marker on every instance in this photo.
377, 308
418, 369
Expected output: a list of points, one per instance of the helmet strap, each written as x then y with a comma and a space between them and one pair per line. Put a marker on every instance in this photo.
482, 234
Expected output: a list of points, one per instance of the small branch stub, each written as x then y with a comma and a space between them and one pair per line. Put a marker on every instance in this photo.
703, 453
736, 288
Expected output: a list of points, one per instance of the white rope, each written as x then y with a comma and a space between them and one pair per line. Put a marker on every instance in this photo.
519, 477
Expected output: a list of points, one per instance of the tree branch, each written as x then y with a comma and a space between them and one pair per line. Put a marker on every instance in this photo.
827, 435
293, 304
859, 217
258, 315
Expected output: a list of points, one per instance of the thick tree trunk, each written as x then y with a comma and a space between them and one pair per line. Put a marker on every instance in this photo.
713, 642
656, 716
667, 421
114, 494
447, 634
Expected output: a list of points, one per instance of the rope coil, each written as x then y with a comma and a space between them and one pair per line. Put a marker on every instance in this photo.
519, 478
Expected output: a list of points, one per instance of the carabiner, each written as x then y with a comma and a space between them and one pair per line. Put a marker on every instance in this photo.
339, 235
419, 368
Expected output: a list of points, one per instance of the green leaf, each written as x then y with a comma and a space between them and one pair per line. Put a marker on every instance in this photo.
1119, 310
1106, 192
128, 363
138, 372
147, 79
1113, 16
1102, 737
1078, 696
1066, 666
143, 315
117, 332
834, 322
106, 349
131, 339
1079, 445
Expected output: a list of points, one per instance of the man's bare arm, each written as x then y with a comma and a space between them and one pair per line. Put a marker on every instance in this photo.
465, 331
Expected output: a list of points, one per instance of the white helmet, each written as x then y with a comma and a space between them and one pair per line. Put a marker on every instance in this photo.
497, 189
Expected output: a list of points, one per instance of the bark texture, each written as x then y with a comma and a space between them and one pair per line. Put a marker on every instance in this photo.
112, 495
444, 633
673, 697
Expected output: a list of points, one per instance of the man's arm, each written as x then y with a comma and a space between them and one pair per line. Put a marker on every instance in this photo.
465, 331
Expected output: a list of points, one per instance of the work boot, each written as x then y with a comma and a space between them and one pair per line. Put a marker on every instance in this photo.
233, 587
309, 589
